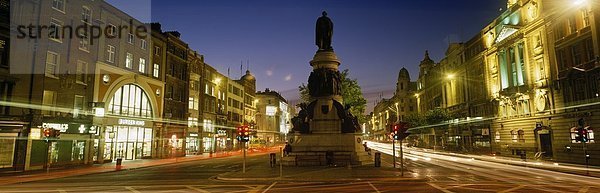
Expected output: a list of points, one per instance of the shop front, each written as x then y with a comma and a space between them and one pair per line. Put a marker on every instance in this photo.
128, 130
192, 143
11, 154
128, 141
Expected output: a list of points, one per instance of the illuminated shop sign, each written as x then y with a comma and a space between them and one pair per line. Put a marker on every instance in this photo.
61, 127
131, 122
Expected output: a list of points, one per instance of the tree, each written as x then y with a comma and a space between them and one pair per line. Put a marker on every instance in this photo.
351, 92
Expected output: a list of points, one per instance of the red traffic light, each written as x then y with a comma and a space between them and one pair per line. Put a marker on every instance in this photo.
47, 132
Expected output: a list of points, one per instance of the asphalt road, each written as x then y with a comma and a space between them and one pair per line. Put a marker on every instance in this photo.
443, 174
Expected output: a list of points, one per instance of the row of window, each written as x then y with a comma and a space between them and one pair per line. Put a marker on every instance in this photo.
518, 136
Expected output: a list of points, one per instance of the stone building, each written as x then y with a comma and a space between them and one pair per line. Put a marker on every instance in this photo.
272, 117
539, 60
390, 111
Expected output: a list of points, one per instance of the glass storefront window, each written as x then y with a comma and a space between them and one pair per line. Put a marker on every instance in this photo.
131, 143
78, 150
7, 149
130, 100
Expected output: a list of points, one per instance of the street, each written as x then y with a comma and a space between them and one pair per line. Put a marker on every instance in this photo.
440, 173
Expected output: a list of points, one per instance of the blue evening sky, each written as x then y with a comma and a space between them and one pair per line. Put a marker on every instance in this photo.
373, 38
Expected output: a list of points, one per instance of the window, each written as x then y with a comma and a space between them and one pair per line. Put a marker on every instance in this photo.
513, 135
130, 100
129, 61
59, 5
78, 105
497, 136
48, 102
130, 38
144, 44
156, 71
521, 136
110, 53
54, 30
84, 43
81, 72
142, 67
193, 103
86, 15
157, 50
572, 24
585, 16
112, 30
52, 64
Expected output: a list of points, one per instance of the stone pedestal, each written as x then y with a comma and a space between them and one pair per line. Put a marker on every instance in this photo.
325, 143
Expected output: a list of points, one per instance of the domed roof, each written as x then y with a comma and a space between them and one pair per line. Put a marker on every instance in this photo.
248, 76
403, 74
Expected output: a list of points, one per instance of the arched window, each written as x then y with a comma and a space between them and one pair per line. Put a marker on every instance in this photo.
130, 100
497, 136
513, 135
521, 135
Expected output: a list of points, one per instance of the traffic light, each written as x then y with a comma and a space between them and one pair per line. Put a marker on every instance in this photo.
400, 131
582, 135
48, 132
243, 133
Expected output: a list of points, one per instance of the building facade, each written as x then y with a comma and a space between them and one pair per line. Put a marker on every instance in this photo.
539, 62
272, 118
390, 111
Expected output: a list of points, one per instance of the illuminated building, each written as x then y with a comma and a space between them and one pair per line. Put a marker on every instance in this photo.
272, 117
390, 111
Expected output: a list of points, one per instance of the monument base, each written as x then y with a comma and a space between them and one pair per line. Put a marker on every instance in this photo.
327, 149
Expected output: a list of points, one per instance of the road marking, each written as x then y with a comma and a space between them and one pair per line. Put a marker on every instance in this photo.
197, 189
218, 166
232, 166
584, 189
273, 184
440, 188
256, 189
512, 189
370, 184
131, 189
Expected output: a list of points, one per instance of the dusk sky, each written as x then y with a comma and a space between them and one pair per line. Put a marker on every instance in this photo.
374, 39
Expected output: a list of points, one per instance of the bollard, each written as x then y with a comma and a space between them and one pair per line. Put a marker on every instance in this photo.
377, 159
119, 162
272, 159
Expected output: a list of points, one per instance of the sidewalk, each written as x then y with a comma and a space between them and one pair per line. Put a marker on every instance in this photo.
319, 174
578, 169
28, 176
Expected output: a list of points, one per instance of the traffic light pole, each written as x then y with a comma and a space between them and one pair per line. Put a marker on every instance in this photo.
401, 159
394, 151
586, 157
244, 149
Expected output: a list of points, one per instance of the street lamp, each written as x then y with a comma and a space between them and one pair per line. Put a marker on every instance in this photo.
397, 114
450, 76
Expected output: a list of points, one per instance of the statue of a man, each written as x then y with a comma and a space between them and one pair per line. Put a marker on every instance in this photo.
324, 32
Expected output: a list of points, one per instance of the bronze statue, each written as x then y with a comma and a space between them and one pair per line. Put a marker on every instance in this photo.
324, 32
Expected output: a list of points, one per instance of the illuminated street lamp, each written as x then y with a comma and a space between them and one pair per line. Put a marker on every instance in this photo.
397, 114
450, 76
